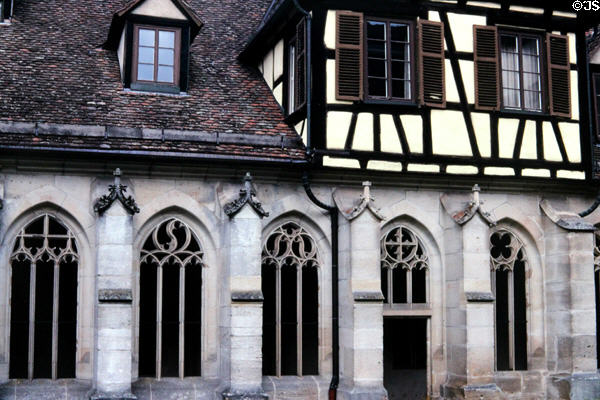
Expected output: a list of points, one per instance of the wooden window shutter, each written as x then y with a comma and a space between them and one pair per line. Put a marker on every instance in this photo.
432, 64
559, 74
487, 67
349, 56
300, 81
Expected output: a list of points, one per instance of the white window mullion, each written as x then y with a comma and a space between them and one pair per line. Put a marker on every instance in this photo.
159, 284
299, 320
181, 319
390, 284
55, 319
32, 283
511, 321
409, 285
278, 321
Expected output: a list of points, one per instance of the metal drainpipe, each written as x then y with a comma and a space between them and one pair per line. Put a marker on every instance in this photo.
332, 210
333, 214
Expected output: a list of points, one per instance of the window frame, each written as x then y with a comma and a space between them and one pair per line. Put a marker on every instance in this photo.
142, 253
154, 84
290, 72
268, 260
544, 106
72, 251
412, 61
511, 302
596, 94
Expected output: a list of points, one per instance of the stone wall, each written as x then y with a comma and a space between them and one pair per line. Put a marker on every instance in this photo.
561, 318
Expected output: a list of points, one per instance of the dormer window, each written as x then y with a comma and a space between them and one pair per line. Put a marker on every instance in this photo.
152, 39
156, 56
5, 10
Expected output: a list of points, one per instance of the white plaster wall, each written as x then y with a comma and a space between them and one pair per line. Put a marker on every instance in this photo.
159, 8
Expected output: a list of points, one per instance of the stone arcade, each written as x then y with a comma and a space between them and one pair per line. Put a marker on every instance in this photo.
298, 200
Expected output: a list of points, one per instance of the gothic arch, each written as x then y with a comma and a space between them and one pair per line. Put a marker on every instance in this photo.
84, 330
534, 275
210, 276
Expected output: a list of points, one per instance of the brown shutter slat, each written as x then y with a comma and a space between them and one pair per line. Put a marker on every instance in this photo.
487, 82
300, 82
559, 81
348, 56
432, 64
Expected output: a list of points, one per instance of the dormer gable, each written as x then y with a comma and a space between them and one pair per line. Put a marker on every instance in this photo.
152, 39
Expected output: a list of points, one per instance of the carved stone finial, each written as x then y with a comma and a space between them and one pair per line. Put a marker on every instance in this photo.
474, 207
366, 202
246, 196
116, 191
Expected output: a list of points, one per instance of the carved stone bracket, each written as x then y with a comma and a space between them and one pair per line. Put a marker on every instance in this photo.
566, 220
116, 191
247, 196
367, 202
475, 206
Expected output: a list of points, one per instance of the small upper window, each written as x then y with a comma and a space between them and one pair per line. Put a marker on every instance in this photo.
5, 10
156, 56
521, 71
296, 69
597, 102
389, 60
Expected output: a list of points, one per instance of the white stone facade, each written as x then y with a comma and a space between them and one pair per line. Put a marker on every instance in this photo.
561, 328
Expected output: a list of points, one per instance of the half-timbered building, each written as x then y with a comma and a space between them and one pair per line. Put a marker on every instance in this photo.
297, 199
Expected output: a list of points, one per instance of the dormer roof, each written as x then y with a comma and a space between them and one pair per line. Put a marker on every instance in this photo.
169, 9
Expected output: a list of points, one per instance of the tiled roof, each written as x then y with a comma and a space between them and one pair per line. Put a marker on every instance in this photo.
54, 71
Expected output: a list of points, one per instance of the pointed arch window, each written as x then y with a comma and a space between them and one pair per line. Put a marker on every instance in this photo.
171, 264
404, 268
508, 261
291, 302
44, 264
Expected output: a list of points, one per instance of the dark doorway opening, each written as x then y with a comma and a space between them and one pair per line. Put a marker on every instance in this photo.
405, 358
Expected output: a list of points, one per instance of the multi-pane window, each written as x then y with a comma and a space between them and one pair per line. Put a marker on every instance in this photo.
521, 71
404, 268
389, 60
171, 262
156, 55
296, 69
44, 265
291, 302
508, 262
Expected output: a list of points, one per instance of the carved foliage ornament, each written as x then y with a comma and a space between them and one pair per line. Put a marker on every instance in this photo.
246, 196
400, 248
45, 239
505, 250
172, 243
116, 192
290, 244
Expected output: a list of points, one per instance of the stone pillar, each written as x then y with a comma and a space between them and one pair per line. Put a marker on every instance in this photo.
245, 238
114, 280
570, 306
479, 309
362, 343
470, 302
